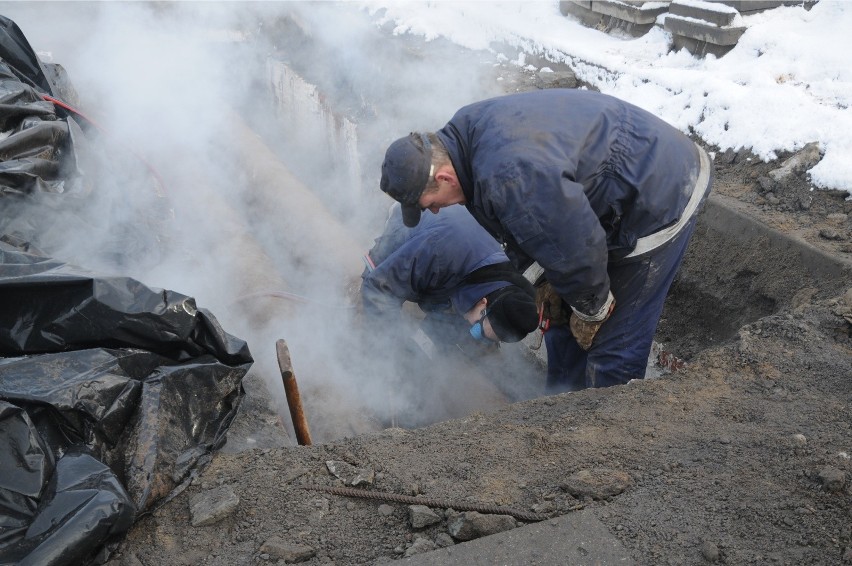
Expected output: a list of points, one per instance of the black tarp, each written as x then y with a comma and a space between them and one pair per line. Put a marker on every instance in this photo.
111, 392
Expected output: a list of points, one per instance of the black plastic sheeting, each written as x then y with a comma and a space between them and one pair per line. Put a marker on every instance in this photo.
31, 152
112, 393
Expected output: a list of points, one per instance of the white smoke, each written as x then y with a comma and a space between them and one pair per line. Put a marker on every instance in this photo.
261, 222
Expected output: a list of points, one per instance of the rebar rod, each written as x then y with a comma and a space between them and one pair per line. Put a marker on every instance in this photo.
439, 503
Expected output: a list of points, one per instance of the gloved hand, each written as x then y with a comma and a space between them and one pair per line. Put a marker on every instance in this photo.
584, 331
554, 308
352, 293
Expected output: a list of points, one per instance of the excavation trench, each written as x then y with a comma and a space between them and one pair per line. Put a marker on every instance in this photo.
736, 271
268, 237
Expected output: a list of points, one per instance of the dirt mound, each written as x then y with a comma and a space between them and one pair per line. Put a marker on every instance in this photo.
742, 457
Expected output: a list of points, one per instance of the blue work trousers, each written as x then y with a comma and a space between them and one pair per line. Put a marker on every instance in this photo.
621, 347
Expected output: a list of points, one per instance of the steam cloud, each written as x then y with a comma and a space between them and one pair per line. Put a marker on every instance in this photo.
262, 202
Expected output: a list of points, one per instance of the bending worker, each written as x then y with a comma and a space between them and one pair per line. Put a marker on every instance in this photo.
456, 273
599, 194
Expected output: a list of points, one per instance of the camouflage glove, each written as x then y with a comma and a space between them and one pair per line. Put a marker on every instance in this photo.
354, 300
584, 331
551, 305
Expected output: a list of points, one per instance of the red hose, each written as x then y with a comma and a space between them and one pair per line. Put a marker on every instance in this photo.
290, 297
69, 108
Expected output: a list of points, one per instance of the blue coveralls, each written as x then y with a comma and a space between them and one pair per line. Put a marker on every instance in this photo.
576, 181
426, 265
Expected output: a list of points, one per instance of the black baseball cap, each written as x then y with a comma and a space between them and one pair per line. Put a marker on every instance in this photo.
405, 173
512, 313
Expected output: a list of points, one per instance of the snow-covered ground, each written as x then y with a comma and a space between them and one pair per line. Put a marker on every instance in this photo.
788, 81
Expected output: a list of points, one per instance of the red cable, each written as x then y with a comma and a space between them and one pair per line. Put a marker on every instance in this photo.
160, 184
289, 296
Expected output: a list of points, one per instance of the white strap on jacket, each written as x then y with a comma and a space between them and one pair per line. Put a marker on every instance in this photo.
648, 243
533, 272
657, 239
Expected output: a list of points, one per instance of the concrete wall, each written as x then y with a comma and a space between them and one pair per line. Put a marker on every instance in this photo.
300, 107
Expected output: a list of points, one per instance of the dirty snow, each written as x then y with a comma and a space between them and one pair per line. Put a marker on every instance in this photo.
787, 82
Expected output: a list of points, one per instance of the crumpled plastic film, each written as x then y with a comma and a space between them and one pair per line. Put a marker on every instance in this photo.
111, 392
139, 380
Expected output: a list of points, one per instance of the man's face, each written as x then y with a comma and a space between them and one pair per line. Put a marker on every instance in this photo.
477, 315
447, 193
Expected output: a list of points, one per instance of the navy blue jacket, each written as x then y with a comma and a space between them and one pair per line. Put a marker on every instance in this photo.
426, 264
570, 179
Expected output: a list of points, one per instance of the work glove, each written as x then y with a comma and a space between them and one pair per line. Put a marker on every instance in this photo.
551, 306
584, 331
354, 300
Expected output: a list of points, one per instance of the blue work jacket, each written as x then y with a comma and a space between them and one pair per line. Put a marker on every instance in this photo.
427, 264
570, 179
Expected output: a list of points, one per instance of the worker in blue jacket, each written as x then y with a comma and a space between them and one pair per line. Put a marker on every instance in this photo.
455, 272
598, 194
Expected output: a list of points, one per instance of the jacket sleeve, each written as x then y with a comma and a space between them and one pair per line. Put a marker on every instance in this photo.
405, 275
378, 297
550, 219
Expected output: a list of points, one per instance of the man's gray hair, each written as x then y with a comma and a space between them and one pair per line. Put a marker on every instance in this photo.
440, 157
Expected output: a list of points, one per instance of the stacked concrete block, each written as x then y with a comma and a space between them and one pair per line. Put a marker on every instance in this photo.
703, 27
714, 26
633, 17
700, 26
746, 7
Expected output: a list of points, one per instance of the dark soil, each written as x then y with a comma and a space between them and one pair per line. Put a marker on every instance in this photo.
746, 450
741, 457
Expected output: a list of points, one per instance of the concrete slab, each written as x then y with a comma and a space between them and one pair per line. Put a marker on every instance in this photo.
713, 12
636, 12
582, 11
598, 15
578, 538
751, 6
703, 31
699, 48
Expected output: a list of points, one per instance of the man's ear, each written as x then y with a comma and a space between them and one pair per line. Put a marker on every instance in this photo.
446, 174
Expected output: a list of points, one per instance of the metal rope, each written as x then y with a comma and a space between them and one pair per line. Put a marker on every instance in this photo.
441, 503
